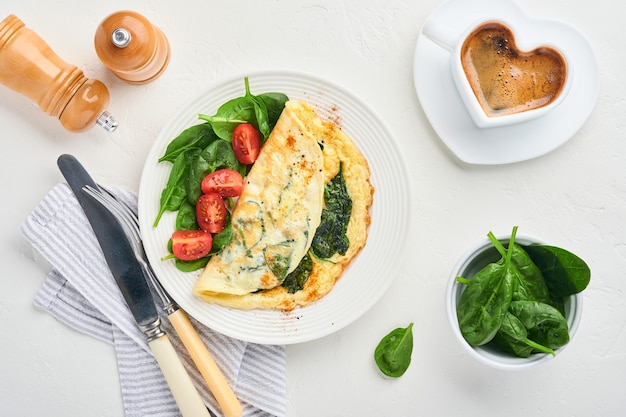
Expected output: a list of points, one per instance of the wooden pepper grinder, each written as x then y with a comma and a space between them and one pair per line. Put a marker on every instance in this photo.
131, 47
30, 67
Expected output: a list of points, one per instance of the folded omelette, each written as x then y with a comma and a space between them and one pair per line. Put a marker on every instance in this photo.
279, 211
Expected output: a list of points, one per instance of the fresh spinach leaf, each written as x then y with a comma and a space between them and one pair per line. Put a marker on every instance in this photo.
486, 298
197, 136
229, 115
220, 154
190, 266
261, 111
565, 273
222, 238
331, 235
175, 192
393, 352
186, 216
544, 323
197, 169
513, 337
530, 284
558, 303
275, 104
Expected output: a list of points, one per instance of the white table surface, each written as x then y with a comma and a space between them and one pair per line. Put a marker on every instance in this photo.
574, 197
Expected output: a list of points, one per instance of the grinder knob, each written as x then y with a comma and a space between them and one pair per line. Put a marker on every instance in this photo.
131, 47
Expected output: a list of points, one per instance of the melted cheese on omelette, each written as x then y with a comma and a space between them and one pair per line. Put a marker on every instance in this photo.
276, 215
337, 150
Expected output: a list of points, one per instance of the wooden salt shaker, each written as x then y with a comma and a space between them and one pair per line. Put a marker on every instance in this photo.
131, 47
30, 67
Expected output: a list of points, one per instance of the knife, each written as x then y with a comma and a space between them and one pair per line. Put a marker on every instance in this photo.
128, 274
198, 351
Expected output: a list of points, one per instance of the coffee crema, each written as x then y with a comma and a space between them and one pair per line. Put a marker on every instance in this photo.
506, 80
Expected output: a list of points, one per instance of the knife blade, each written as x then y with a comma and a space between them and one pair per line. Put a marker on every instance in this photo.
128, 275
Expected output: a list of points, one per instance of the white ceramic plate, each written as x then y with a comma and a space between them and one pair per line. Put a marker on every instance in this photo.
366, 278
444, 108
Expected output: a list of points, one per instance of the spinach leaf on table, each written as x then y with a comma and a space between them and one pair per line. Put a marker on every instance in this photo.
393, 352
565, 273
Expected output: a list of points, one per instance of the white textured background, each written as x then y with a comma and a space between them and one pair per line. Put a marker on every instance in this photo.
574, 197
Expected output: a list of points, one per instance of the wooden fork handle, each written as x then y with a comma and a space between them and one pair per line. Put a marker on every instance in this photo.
209, 370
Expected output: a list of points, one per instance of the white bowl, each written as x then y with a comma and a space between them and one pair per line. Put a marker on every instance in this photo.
473, 261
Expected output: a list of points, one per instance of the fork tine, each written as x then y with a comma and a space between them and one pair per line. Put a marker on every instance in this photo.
129, 222
121, 211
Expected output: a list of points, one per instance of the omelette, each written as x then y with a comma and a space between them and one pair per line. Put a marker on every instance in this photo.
279, 211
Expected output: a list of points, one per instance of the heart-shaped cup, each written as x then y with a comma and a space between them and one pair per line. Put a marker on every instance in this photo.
504, 73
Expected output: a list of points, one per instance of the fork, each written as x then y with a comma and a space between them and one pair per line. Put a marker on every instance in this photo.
205, 363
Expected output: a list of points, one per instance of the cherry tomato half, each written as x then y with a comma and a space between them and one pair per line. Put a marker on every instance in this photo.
226, 182
246, 143
211, 212
189, 245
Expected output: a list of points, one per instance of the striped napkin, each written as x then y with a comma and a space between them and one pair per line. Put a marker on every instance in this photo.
80, 291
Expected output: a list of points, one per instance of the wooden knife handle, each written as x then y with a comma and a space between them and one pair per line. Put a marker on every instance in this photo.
206, 365
187, 397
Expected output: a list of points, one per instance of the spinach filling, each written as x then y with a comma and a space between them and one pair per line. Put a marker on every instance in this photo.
295, 280
331, 235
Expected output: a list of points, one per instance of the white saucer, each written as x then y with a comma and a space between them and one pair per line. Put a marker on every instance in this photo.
444, 108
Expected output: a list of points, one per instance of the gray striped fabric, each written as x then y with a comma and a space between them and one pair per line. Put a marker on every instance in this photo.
80, 291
